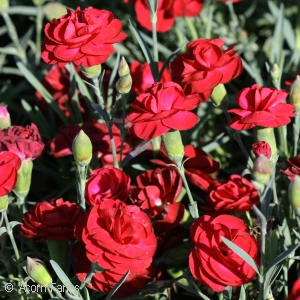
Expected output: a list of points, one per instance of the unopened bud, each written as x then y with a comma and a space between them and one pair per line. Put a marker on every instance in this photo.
294, 194
173, 146
262, 169
275, 73
123, 67
294, 97
3, 6
4, 118
124, 83
3, 203
82, 149
36, 269
22, 186
91, 72
219, 97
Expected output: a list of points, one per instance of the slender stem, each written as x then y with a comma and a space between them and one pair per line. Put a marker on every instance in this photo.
50, 292
191, 26
209, 20
113, 145
296, 134
261, 276
39, 26
81, 180
154, 38
98, 92
14, 36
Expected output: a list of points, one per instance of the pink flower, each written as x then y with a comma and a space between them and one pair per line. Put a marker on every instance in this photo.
261, 106
23, 141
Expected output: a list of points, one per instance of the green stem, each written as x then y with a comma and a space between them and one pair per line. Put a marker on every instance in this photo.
14, 36
296, 134
191, 26
113, 145
261, 277
98, 92
282, 132
39, 27
297, 29
154, 38
81, 180
50, 291
209, 20
13, 242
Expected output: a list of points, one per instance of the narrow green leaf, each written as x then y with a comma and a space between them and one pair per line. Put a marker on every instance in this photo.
193, 291
143, 44
39, 87
241, 253
2, 230
115, 288
138, 150
242, 293
282, 256
64, 278
14, 223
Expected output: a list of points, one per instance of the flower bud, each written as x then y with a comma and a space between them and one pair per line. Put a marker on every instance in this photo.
174, 147
262, 169
294, 97
82, 149
219, 97
262, 147
3, 203
275, 73
91, 72
294, 194
123, 67
22, 186
3, 6
4, 118
124, 83
36, 269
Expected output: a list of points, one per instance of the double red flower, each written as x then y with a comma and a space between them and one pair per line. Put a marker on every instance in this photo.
163, 107
84, 37
261, 106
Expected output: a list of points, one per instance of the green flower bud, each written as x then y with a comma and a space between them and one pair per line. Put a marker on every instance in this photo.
275, 73
91, 72
174, 147
219, 97
294, 194
82, 149
294, 97
3, 6
4, 118
37, 2
262, 169
124, 83
36, 269
3, 203
54, 10
123, 67
22, 186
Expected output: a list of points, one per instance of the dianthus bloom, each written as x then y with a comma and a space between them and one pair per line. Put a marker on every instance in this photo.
165, 15
211, 262
163, 107
23, 141
262, 147
236, 194
84, 37
142, 77
51, 220
294, 294
261, 106
118, 237
292, 167
204, 66
10, 163
156, 193
187, 8
107, 183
